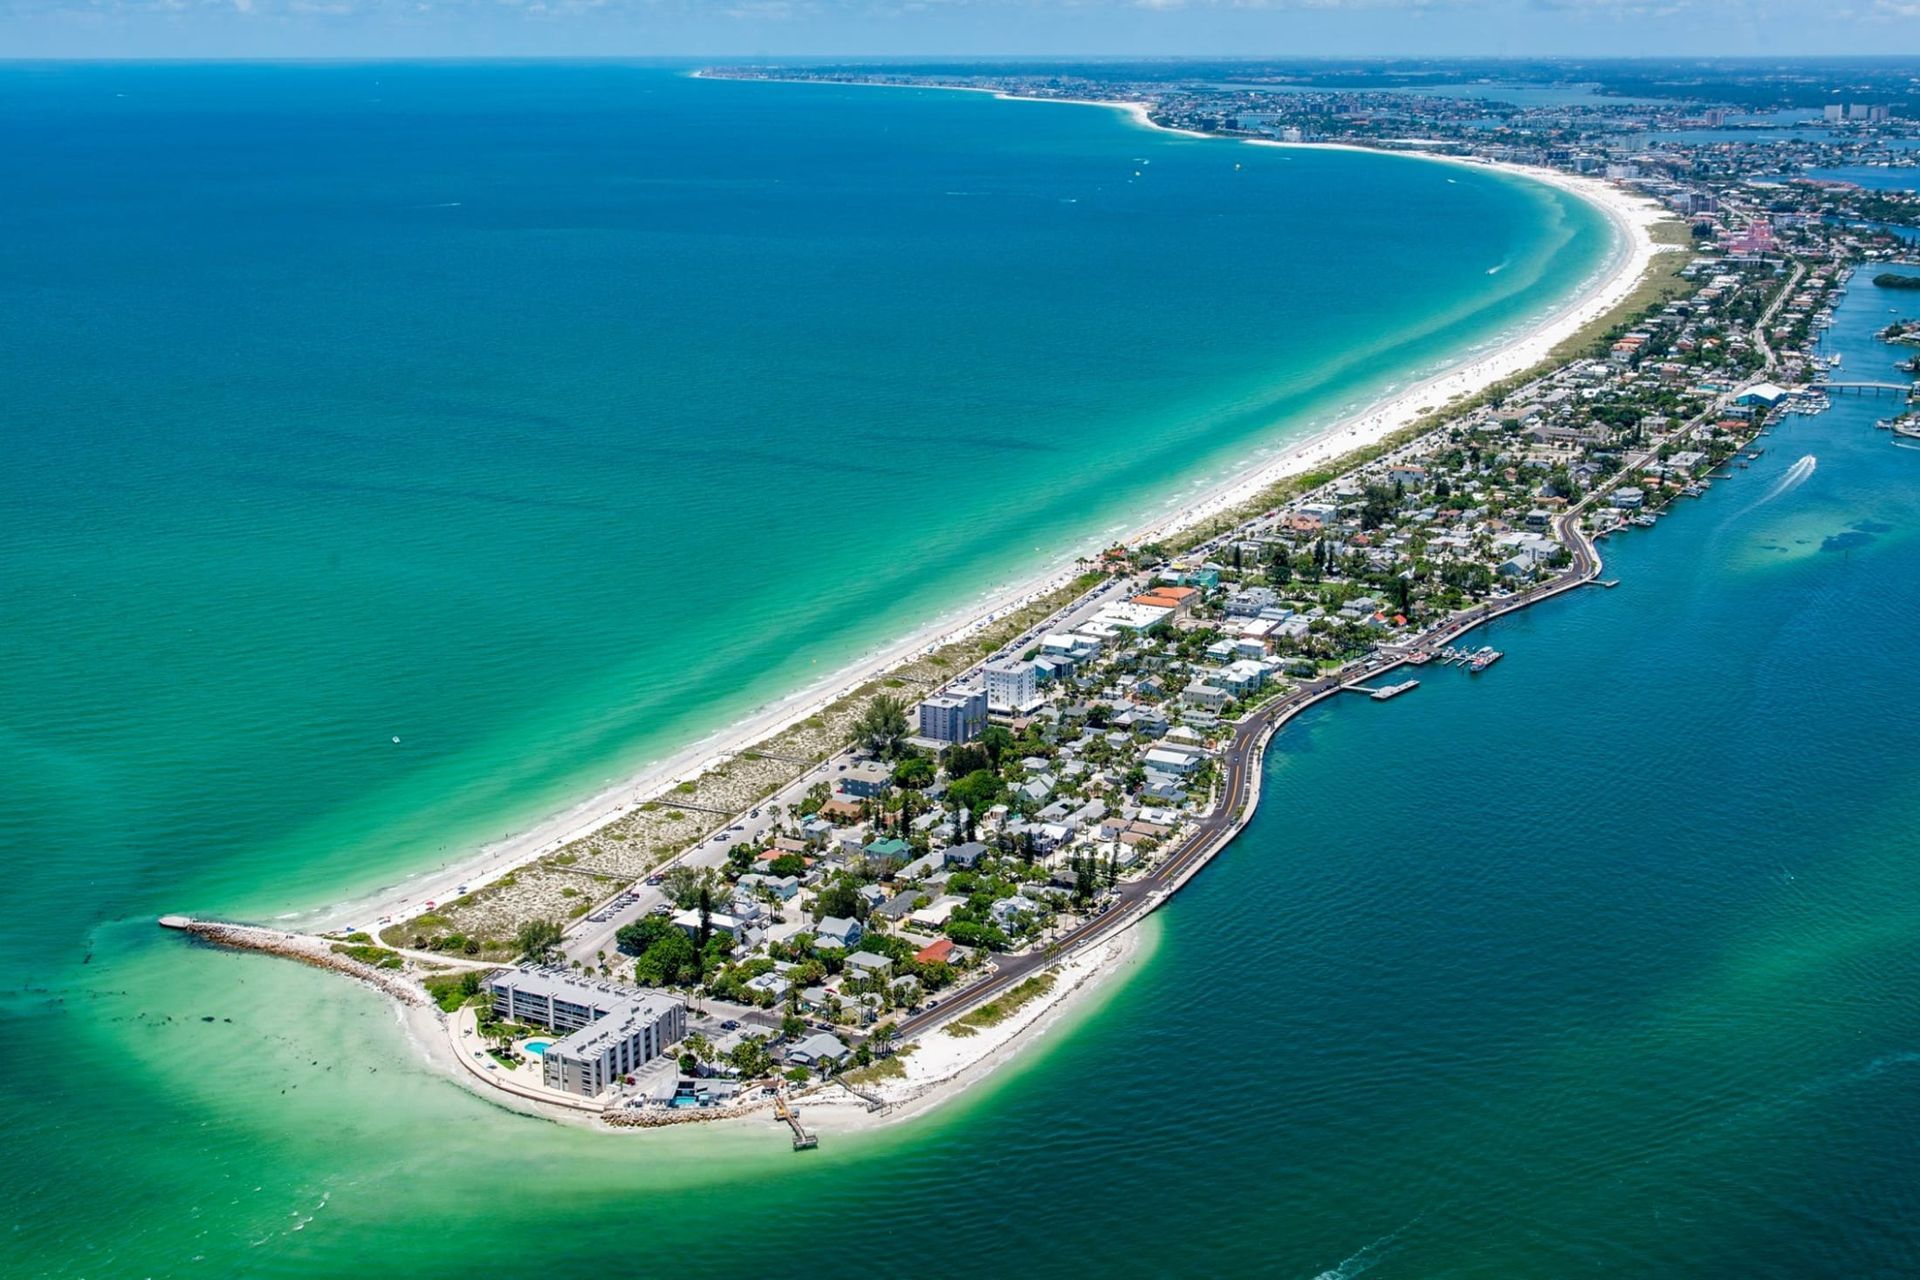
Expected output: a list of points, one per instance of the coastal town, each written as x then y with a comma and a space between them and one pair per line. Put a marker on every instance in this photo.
864, 904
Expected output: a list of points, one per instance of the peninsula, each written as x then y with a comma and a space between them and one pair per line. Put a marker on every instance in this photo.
852, 906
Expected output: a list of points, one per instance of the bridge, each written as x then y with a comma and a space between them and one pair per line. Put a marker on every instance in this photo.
1864, 388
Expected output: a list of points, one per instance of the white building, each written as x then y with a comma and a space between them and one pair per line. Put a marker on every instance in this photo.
611, 1031
1012, 686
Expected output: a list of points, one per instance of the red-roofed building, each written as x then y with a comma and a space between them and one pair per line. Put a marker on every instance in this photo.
940, 952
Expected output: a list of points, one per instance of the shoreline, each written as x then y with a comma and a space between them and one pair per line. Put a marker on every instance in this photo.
939, 1068
1631, 219
940, 1065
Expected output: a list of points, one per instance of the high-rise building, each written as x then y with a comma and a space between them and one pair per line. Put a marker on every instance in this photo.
959, 715
1012, 685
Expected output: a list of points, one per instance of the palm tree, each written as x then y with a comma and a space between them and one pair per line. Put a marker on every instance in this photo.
883, 725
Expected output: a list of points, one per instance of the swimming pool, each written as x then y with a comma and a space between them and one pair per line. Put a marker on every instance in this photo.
537, 1048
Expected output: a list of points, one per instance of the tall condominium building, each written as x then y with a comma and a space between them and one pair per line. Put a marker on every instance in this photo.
958, 715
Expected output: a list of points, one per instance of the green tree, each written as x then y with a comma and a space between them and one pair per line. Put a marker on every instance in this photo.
883, 726
841, 898
976, 793
538, 939
913, 773
635, 938
671, 961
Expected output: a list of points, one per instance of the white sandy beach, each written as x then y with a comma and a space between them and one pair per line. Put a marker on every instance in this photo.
941, 1065
1633, 218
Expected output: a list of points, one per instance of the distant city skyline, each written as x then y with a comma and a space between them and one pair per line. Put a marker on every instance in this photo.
951, 28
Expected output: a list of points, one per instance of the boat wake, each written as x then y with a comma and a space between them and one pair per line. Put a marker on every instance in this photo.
1792, 478
1366, 1259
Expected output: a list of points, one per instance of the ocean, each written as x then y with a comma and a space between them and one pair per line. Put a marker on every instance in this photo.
546, 417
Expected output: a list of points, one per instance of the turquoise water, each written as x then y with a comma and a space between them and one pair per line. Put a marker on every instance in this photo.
538, 1048
545, 420
1600, 963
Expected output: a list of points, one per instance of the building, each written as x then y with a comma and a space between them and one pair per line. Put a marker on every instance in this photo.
1012, 686
866, 779
611, 1031
1179, 599
959, 715
818, 1050
1135, 617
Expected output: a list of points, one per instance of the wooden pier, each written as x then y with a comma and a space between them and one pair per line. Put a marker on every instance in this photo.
802, 1139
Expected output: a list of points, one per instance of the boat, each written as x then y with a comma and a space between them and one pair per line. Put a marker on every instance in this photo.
1643, 521
1484, 659
1419, 659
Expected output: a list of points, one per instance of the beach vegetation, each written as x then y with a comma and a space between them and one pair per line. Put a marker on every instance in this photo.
378, 957
451, 990
1002, 1007
537, 939
886, 1068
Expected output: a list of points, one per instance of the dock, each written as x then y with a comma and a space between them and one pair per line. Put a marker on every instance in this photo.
803, 1140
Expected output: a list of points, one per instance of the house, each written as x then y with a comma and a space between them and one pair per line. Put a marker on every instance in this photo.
868, 965
717, 922
1179, 599
1628, 498
1169, 760
866, 779
773, 985
965, 856
936, 913
892, 849
838, 931
841, 809
898, 907
758, 882
941, 952
817, 1050
1239, 678
1009, 913
1210, 696
924, 865
1135, 617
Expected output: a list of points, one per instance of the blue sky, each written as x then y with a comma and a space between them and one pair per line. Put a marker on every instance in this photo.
716, 28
